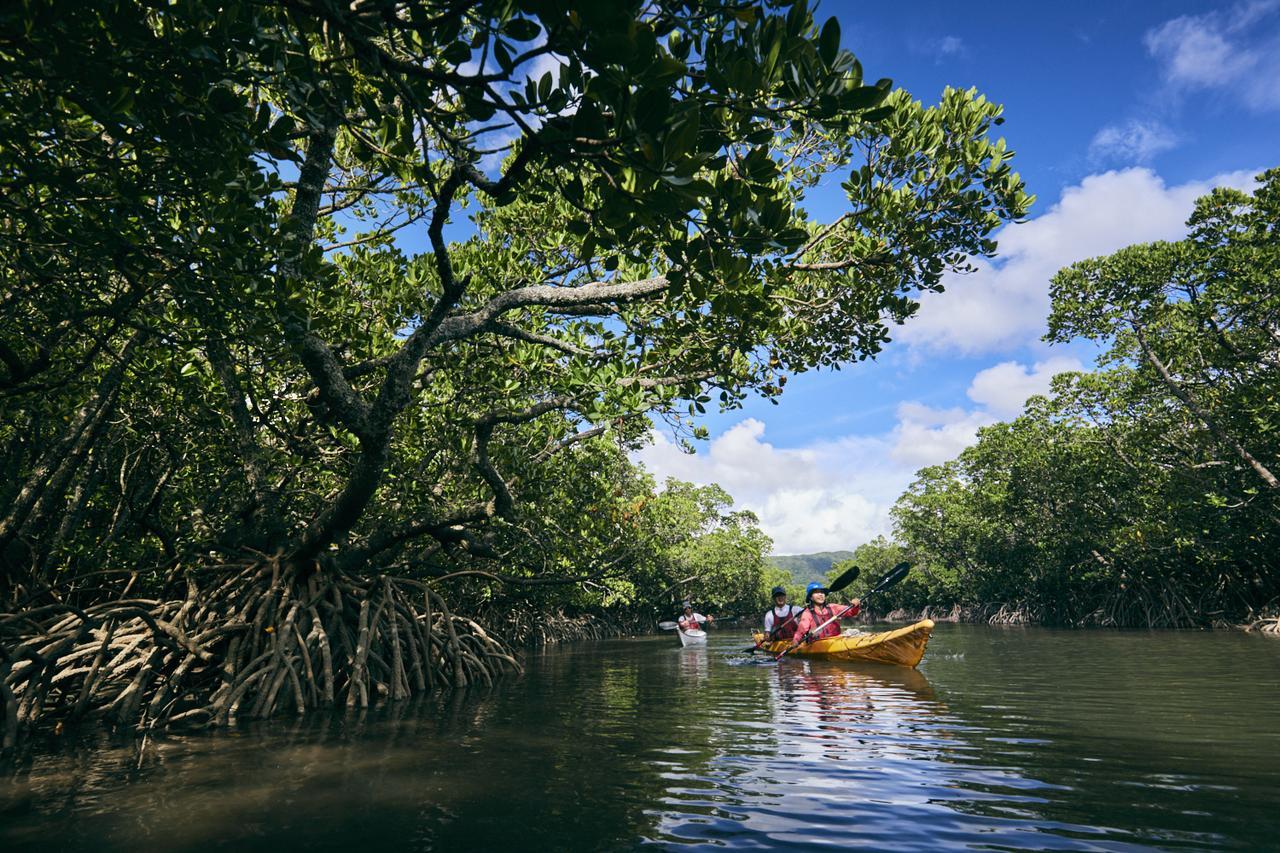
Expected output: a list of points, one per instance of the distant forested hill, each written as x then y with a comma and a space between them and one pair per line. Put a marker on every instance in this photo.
810, 567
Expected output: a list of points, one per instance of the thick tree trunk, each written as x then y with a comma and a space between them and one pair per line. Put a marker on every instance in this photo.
299, 236
343, 514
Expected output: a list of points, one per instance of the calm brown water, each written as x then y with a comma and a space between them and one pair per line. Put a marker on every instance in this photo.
1005, 739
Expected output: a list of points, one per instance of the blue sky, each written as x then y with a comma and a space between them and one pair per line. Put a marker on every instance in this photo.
1121, 113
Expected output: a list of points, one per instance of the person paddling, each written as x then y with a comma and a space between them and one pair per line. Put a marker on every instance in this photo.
780, 620
691, 621
818, 612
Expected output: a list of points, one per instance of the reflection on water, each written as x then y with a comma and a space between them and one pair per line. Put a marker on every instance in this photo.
1003, 740
693, 667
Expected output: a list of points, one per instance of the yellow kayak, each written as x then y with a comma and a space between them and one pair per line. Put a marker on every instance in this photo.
903, 646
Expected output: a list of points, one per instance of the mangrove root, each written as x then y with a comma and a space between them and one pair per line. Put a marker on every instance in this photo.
254, 641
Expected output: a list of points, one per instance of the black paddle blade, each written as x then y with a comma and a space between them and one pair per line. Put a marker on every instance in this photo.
844, 579
896, 574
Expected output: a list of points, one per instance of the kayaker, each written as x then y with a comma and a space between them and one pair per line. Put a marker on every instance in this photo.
691, 621
780, 620
818, 612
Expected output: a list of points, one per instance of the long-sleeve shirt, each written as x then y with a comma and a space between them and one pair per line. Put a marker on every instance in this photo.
814, 616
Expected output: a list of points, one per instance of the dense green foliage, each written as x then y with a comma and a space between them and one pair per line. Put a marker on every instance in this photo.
683, 544
305, 302
1143, 493
211, 340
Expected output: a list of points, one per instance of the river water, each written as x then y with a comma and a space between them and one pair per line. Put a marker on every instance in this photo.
1003, 739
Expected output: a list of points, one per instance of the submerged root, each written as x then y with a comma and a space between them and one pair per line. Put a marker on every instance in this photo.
1266, 625
525, 627
253, 643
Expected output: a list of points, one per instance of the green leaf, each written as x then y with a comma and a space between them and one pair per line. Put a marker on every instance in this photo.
456, 53
829, 41
863, 98
521, 29
652, 108
502, 54
879, 114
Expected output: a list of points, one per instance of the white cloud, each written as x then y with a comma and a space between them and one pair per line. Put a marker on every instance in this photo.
1004, 388
827, 496
940, 48
1237, 49
1005, 303
927, 436
541, 65
833, 495
837, 494
1196, 53
499, 142
951, 46
1132, 142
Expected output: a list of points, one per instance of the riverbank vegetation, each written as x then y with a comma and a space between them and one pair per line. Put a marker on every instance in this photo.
325, 329
1143, 493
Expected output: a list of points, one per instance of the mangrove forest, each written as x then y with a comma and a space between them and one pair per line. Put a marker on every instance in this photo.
326, 330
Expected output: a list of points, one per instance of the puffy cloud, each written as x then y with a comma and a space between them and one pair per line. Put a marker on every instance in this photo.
1004, 388
1132, 142
836, 494
1004, 303
1237, 49
927, 436
827, 496
500, 142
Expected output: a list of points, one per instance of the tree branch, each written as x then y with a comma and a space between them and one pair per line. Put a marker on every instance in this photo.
1209, 422
316, 356
508, 331
548, 296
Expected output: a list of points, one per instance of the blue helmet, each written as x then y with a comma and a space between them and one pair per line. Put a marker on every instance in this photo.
812, 588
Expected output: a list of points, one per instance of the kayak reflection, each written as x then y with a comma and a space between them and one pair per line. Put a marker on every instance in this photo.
832, 708
693, 666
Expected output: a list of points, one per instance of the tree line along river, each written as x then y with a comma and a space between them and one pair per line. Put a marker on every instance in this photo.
1003, 739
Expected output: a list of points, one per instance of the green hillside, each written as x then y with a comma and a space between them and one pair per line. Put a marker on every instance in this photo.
809, 567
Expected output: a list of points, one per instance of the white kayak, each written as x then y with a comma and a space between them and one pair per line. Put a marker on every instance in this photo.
693, 637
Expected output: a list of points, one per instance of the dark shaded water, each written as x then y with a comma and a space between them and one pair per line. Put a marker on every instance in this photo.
1004, 739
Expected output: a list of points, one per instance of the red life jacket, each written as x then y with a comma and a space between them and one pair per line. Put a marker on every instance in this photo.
827, 611
784, 627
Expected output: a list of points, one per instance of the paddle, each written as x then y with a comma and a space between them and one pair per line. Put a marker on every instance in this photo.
838, 584
896, 574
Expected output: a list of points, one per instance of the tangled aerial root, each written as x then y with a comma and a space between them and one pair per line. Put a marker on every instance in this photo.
1269, 624
529, 627
255, 642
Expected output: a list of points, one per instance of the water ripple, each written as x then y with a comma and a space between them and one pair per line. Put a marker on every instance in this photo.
1003, 740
